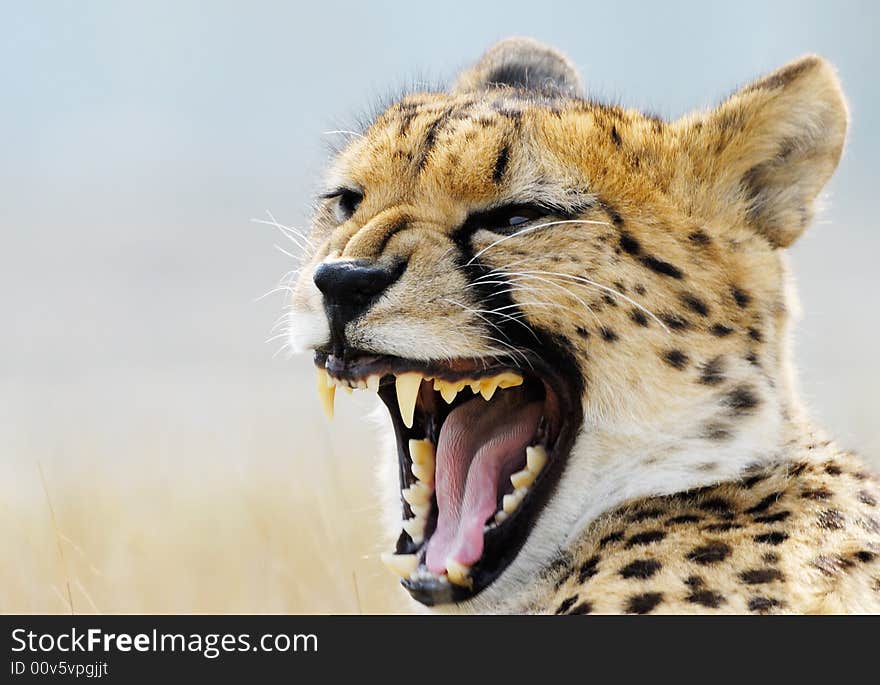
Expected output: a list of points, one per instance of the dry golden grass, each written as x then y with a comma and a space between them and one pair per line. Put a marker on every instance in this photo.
235, 528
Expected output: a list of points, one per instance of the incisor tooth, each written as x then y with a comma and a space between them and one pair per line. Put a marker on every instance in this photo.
402, 565
448, 390
326, 392
523, 478
422, 452
458, 573
417, 494
536, 457
407, 391
488, 386
415, 528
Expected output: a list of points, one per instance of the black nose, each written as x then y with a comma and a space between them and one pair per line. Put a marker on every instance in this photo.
353, 284
349, 288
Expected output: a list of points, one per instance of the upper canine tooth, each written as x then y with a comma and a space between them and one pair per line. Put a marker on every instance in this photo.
408, 385
415, 528
373, 382
536, 458
523, 478
402, 565
458, 573
326, 392
422, 452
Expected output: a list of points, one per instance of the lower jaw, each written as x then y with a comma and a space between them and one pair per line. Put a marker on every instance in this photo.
502, 541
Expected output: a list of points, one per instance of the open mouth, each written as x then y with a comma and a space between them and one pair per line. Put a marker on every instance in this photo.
480, 447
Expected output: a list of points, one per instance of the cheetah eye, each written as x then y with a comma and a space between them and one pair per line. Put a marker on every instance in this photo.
502, 219
347, 202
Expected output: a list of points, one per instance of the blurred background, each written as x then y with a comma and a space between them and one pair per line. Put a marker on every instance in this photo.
154, 455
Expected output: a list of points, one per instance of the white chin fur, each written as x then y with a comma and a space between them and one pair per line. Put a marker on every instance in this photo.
307, 330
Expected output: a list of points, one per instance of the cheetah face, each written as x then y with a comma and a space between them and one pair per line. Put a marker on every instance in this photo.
515, 269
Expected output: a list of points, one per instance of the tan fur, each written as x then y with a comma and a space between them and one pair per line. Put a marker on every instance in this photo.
671, 294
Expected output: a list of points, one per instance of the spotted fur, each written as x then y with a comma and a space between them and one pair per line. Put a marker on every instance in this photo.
658, 282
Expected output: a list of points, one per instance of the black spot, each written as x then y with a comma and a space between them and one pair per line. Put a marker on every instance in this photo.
676, 359
694, 581
639, 317
741, 297
866, 497
607, 299
865, 556
752, 481
711, 373
710, 553
616, 536
699, 238
770, 558
645, 514
833, 469
695, 304
755, 335
752, 358
661, 267
831, 519
817, 493
741, 400
588, 569
759, 576
719, 330
644, 603
645, 538
684, 518
706, 598
640, 289
501, 164
629, 244
583, 332
675, 322
608, 334
716, 432
775, 537
773, 518
763, 604
566, 604
581, 609
716, 504
431, 136
765, 503
641, 569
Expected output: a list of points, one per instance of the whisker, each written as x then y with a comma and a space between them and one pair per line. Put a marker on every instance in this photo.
530, 229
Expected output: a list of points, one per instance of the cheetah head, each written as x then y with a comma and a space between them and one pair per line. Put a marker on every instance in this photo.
563, 304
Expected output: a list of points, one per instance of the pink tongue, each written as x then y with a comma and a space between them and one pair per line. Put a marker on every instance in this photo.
480, 443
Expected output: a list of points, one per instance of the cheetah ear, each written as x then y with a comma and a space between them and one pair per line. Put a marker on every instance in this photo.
521, 63
772, 146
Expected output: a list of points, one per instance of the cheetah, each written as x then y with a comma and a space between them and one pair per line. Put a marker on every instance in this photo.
578, 317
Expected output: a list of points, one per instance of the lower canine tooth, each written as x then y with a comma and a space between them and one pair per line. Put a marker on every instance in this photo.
408, 385
402, 565
458, 573
415, 528
326, 392
536, 457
